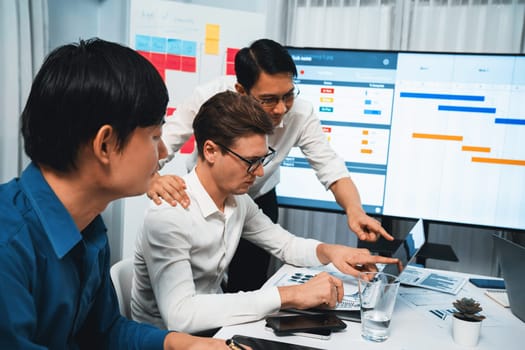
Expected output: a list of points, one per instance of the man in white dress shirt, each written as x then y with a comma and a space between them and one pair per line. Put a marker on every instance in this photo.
265, 71
183, 254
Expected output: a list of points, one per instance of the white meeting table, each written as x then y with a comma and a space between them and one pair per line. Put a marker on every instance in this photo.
413, 326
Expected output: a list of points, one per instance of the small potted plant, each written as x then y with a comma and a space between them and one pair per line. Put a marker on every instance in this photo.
466, 323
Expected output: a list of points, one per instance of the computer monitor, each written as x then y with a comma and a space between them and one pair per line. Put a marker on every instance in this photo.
439, 136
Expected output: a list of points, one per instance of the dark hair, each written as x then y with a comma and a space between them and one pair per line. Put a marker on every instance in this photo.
227, 116
263, 55
81, 87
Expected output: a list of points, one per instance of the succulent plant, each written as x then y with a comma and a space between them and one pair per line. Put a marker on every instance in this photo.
468, 310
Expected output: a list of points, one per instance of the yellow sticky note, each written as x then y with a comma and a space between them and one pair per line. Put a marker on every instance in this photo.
212, 31
211, 47
211, 41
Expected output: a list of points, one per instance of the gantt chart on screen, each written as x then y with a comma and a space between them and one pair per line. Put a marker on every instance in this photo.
437, 136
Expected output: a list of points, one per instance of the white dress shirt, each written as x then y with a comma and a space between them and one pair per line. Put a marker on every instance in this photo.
182, 256
300, 128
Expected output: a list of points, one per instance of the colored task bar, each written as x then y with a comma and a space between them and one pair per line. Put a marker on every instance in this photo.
498, 161
437, 137
475, 149
509, 121
442, 96
490, 110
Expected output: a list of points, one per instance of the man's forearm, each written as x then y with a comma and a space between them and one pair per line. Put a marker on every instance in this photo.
347, 195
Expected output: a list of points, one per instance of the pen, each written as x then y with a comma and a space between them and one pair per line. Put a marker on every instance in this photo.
232, 344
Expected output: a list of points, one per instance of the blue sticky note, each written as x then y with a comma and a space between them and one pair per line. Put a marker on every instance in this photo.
174, 47
189, 48
158, 44
143, 43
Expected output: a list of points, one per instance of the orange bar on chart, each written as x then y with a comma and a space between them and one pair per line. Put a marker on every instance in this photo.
498, 161
475, 149
366, 150
437, 137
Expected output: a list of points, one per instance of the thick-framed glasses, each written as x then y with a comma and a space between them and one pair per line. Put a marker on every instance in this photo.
255, 163
271, 101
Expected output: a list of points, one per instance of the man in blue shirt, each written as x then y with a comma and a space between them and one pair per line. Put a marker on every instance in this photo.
92, 128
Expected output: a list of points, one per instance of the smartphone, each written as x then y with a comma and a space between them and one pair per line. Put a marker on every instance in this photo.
305, 323
488, 283
323, 334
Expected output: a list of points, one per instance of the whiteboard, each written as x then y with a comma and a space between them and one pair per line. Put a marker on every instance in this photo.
191, 44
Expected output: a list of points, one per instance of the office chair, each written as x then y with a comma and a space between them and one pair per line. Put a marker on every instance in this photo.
122, 275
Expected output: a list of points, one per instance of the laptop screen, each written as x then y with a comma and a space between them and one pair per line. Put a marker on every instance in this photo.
409, 247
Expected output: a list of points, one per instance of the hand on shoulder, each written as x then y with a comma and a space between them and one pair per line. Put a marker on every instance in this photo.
170, 188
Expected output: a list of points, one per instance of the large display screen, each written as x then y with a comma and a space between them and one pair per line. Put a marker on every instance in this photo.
438, 136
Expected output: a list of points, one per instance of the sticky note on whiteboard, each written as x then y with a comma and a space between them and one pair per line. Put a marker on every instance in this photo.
211, 42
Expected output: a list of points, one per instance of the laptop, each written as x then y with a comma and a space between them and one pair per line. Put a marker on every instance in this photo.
407, 248
406, 251
512, 261
416, 275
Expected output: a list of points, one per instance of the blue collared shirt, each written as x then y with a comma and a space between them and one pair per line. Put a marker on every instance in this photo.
55, 287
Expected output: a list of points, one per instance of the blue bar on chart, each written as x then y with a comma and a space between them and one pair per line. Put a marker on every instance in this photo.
442, 96
490, 110
509, 121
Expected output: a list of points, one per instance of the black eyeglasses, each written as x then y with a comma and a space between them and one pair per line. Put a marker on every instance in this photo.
252, 164
272, 101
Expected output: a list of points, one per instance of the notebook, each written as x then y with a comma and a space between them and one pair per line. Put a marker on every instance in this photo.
498, 295
417, 276
512, 261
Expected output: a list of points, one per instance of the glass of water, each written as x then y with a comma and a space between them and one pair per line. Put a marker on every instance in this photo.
377, 293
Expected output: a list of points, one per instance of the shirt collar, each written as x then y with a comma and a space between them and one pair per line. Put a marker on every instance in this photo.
202, 198
55, 219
